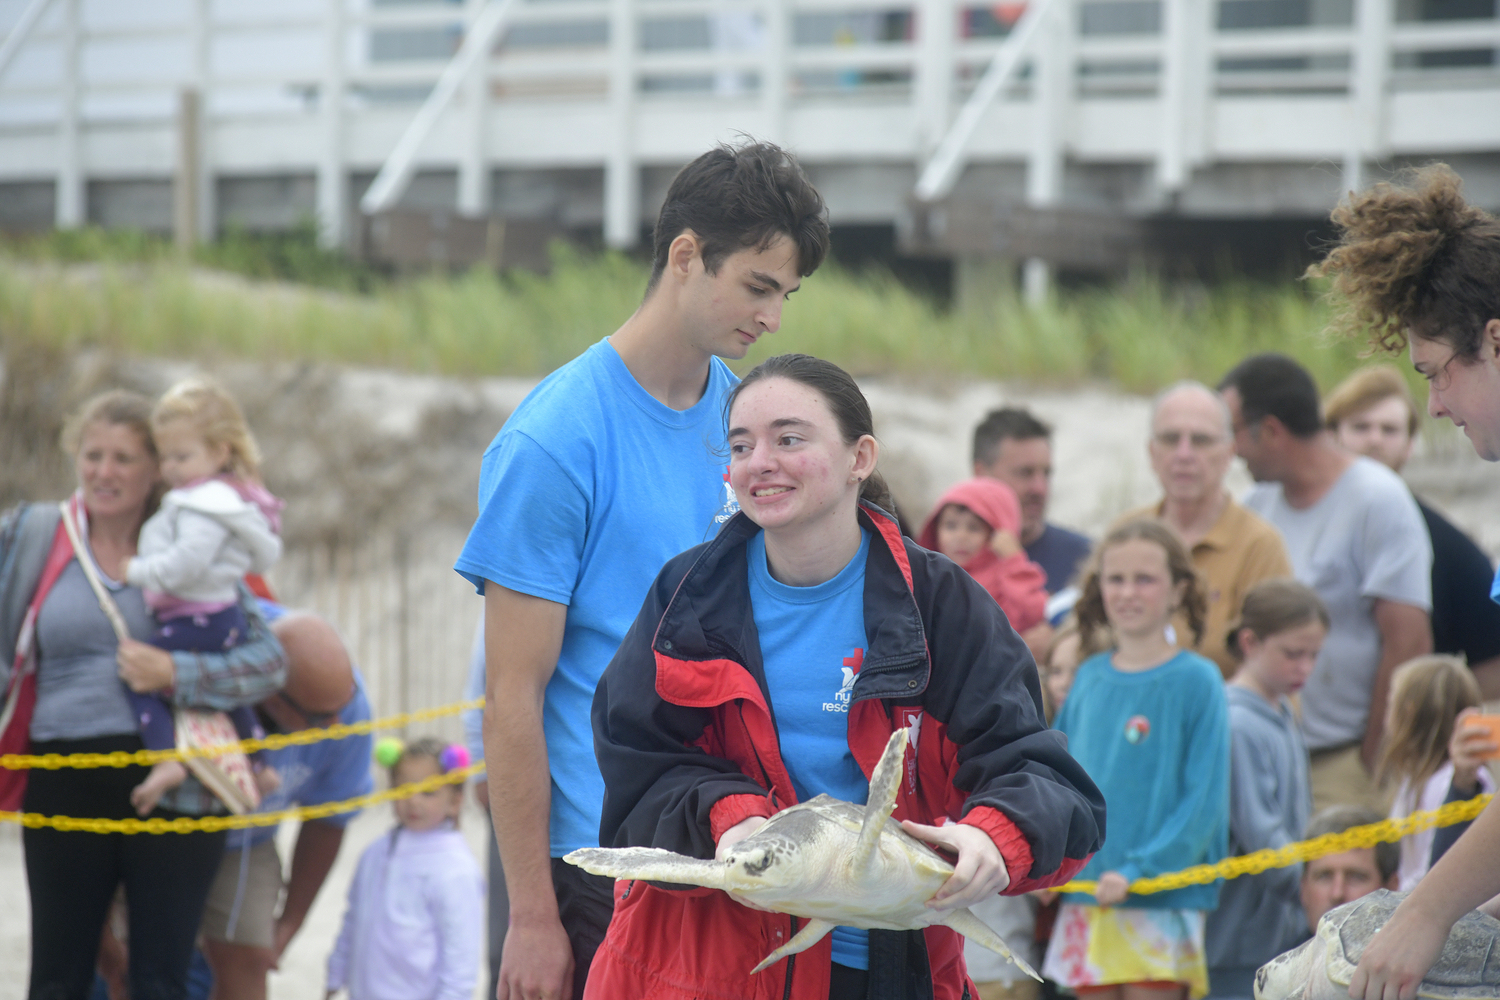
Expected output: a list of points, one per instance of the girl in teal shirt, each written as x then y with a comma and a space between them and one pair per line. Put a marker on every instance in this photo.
1149, 722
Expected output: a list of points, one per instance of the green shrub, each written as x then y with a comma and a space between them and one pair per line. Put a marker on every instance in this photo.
136, 296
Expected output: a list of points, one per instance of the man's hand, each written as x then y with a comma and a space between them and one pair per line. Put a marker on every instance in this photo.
145, 668
1397, 958
482, 794
737, 833
980, 871
1112, 890
537, 963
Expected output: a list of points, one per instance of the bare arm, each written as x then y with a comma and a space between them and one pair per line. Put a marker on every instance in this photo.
1405, 632
1399, 956
312, 859
523, 638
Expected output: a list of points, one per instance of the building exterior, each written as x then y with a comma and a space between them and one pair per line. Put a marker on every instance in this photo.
259, 113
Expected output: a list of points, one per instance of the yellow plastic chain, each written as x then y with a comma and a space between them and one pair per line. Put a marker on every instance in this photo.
124, 758
1385, 831
1306, 850
184, 824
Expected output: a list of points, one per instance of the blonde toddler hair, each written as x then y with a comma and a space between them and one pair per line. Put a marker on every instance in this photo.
1427, 693
214, 413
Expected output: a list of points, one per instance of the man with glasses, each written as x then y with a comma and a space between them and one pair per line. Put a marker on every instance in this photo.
1192, 443
252, 912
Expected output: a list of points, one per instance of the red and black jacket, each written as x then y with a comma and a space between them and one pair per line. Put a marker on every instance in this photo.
686, 740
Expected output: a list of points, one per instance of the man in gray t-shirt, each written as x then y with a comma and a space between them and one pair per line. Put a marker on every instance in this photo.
1355, 535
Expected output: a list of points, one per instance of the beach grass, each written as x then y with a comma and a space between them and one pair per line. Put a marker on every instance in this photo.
135, 296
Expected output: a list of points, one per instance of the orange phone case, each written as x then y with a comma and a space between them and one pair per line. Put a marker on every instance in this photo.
1490, 722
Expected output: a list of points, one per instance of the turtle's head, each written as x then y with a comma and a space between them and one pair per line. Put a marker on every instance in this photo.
1285, 977
752, 866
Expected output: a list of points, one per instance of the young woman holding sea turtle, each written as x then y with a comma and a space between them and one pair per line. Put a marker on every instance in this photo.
1419, 268
774, 663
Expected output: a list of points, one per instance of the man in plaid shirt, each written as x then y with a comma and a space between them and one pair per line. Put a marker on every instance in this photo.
252, 913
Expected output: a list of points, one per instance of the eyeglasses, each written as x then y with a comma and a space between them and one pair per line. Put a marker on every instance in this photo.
317, 720
1198, 442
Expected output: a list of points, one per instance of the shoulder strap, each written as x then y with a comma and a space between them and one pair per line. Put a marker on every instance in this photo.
86, 561
59, 555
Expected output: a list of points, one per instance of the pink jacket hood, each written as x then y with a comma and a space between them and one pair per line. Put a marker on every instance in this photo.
991, 499
1016, 583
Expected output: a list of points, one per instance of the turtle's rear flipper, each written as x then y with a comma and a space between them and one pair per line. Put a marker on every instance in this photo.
650, 863
801, 941
979, 932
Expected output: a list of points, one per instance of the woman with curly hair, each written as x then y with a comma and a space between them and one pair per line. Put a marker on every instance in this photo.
1419, 268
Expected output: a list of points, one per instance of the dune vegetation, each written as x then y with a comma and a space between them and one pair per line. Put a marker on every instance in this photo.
284, 299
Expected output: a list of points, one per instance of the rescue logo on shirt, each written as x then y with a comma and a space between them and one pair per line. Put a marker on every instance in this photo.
845, 693
731, 504
1137, 728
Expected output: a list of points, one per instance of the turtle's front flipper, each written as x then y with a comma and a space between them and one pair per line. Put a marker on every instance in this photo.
979, 932
884, 784
801, 941
651, 863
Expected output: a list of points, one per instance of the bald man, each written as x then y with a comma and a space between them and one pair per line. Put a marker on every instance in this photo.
247, 924
1191, 446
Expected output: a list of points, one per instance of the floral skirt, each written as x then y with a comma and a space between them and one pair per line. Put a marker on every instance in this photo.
1103, 946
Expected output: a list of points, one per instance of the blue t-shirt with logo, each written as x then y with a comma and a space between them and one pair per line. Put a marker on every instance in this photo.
812, 640
1156, 742
586, 492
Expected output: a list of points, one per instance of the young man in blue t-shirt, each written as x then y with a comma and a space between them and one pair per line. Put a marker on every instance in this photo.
606, 470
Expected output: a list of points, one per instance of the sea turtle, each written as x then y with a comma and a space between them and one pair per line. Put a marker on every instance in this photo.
1468, 967
828, 860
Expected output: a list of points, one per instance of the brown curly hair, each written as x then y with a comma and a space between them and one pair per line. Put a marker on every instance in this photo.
1089, 611
1414, 259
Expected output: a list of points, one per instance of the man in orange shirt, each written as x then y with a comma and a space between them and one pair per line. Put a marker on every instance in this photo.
1234, 549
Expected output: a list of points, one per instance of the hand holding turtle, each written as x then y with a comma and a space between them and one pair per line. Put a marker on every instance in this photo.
1398, 956
980, 870
737, 833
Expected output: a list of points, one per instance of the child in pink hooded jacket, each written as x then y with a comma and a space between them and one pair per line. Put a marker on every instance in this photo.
977, 525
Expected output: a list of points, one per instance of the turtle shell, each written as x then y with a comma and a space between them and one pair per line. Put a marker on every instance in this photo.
1468, 968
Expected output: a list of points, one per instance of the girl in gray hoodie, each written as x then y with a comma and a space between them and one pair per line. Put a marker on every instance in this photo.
1281, 628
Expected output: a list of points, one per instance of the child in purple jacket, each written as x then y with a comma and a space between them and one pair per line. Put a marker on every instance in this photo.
416, 906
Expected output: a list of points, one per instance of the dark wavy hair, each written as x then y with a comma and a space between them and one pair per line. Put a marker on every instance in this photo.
1415, 259
845, 401
739, 198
